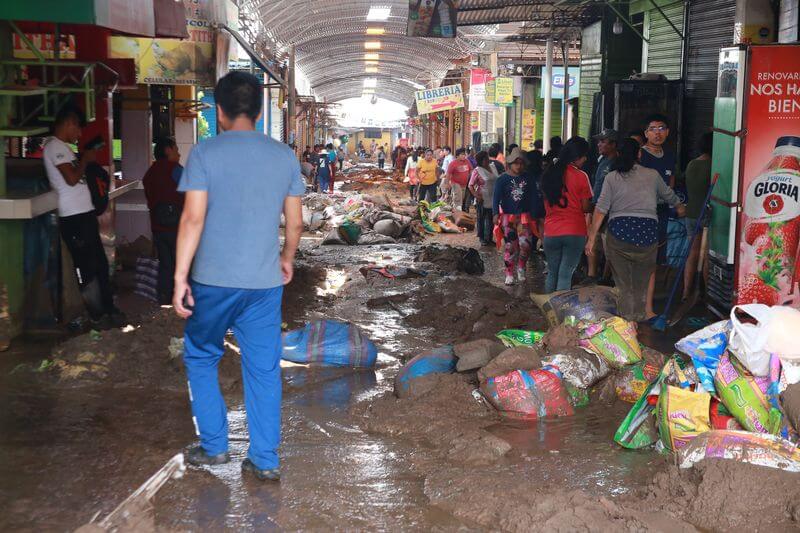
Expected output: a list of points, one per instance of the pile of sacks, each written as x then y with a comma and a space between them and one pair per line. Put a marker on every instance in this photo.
363, 219
439, 217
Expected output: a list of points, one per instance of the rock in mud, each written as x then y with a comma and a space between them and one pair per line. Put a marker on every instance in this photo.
476, 354
790, 401
453, 259
516, 358
561, 336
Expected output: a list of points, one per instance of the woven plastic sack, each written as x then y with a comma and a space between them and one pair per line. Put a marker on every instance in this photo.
743, 396
578, 367
587, 303
614, 339
441, 360
754, 448
329, 343
682, 415
528, 394
519, 337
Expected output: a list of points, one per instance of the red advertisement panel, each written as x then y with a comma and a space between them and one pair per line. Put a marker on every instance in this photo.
770, 221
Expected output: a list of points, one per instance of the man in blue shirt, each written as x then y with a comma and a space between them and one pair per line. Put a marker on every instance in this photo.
237, 184
653, 155
607, 141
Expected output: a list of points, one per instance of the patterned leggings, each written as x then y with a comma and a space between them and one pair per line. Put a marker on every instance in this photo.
517, 247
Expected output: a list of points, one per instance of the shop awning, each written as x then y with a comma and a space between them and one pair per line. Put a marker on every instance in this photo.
170, 17
254, 56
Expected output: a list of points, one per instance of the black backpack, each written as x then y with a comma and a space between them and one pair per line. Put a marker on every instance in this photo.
99, 183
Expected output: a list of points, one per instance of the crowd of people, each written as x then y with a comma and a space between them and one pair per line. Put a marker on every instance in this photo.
612, 209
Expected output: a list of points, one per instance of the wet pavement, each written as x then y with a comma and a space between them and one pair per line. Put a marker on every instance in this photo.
67, 454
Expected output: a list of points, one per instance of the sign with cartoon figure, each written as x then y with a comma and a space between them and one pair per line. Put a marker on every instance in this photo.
441, 99
767, 269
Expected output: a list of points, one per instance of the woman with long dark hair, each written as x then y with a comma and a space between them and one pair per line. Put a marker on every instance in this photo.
567, 198
629, 197
481, 185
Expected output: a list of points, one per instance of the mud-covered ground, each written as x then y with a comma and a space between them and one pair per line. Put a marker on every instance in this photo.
87, 420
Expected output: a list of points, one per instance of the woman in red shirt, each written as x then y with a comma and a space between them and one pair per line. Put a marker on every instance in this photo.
567, 198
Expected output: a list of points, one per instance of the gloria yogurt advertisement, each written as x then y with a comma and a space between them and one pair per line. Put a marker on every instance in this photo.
769, 262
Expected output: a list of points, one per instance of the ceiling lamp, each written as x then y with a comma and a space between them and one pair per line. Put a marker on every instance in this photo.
372, 45
371, 70
370, 82
371, 63
372, 56
376, 31
379, 13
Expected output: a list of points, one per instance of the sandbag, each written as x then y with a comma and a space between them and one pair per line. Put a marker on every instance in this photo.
579, 368
754, 448
333, 238
614, 339
389, 227
476, 354
586, 303
682, 415
744, 397
790, 402
437, 361
706, 347
528, 394
632, 381
329, 343
516, 358
519, 337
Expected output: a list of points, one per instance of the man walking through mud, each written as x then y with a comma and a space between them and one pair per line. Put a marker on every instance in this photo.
237, 184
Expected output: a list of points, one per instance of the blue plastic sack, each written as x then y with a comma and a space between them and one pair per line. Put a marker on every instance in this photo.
706, 347
329, 343
441, 360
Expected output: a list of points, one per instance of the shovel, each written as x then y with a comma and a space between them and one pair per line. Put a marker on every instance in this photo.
689, 303
661, 321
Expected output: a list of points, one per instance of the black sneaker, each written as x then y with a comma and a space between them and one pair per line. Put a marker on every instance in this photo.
273, 474
197, 456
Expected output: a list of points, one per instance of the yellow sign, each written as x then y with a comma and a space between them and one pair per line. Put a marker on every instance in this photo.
441, 99
474, 121
528, 128
504, 91
491, 91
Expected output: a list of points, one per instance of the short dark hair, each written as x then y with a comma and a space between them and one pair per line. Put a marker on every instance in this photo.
481, 157
67, 113
239, 93
705, 144
494, 150
445, 147
656, 117
161, 145
460, 151
538, 144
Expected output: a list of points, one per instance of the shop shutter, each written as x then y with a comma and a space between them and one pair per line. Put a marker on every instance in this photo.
711, 24
664, 51
591, 74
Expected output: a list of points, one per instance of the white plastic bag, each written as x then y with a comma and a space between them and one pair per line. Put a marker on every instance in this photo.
747, 341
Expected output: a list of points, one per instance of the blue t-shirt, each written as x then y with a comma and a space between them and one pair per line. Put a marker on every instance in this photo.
664, 165
514, 195
247, 176
603, 168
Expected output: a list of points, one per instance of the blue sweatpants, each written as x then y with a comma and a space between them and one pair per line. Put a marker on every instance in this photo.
254, 315
323, 178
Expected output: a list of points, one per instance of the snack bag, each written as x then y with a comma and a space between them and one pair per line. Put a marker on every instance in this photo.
528, 394
721, 418
615, 339
519, 337
705, 347
632, 382
741, 394
743, 446
682, 415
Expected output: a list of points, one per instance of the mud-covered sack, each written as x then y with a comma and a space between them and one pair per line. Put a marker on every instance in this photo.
706, 347
632, 381
528, 394
638, 429
440, 360
475, 354
614, 339
721, 418
519, 337
586, 303
743, 396
578, 367
682, 415
578, 397
329, 343
744, 446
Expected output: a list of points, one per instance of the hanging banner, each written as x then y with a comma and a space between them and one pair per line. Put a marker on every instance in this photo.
457, 122
528, 128
174, 61
504, 91
441, 99
558, 80
491, 93
474, 121
432, 18
44, 42
477, 90
767, 268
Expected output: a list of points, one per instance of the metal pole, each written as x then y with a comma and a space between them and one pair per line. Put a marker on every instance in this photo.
565, 96
290, 99
548, 96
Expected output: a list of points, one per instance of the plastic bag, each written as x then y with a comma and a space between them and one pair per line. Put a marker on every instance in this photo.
441, 360
329, 343
577, 397
528, 394
633, 380
682, 415
721, 418
578, 367
587, 303
747, 341
519, 337
615, 339
349, 232
754, 448
706, 347
744, 398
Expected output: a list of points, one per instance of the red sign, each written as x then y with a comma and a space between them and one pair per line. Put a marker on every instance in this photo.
403, 142
770, 181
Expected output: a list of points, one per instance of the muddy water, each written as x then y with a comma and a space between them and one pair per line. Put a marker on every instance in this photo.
68, 454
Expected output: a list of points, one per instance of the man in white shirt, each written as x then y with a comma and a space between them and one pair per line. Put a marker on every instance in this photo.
77, 220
